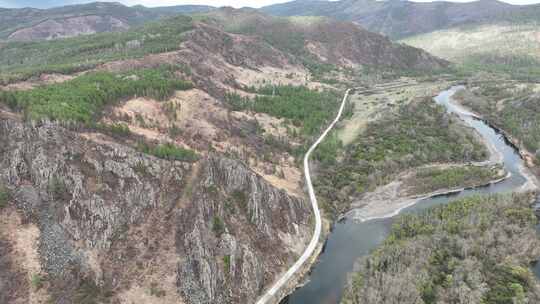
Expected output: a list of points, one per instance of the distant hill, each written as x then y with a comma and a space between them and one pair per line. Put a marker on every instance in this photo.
317, 39
398, 19
318, 44
29, 24
501, 47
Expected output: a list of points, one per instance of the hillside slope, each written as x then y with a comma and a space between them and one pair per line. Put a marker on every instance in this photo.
512, 48
398, 19
325, 40
29, 24
314, 43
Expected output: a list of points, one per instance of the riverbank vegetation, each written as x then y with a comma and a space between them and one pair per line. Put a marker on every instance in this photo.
428, 180
475, 250
83, 98
414, 134
516, 110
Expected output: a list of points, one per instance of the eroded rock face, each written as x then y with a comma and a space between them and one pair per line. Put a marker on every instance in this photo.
253, 215
110, 215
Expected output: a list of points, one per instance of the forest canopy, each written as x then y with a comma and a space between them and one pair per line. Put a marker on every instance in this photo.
82, 99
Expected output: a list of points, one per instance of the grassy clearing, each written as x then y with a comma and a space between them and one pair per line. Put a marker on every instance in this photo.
515, 110
468, 251
82, 99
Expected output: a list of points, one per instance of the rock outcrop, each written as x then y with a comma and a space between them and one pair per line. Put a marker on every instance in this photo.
116, 220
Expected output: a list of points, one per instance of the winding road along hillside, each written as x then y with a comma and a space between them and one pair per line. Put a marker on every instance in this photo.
318, 223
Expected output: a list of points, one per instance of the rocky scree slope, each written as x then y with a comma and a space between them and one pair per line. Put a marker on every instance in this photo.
113, 221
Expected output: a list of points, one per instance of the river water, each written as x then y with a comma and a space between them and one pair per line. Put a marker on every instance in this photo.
351, 238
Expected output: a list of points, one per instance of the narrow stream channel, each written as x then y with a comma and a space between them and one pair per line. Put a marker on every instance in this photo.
352, 239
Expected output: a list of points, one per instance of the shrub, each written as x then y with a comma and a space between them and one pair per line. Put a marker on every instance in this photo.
218, 226
4, 196
413, 135
118, 130
37, 281
58, 189
168, 151
227, 263
156, 291
90, 293
175, 131
240, 198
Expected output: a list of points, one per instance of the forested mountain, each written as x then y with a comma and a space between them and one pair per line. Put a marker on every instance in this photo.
398, 19
312, 42
487, 34
28, 24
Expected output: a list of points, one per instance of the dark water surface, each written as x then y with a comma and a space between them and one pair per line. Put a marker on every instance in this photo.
352, 239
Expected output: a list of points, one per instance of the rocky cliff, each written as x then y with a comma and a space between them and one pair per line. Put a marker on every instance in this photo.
114, 224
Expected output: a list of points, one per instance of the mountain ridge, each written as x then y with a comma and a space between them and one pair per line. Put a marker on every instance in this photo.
27, 24
398, 19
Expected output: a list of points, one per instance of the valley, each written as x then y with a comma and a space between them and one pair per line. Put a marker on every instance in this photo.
362, 231
193, 154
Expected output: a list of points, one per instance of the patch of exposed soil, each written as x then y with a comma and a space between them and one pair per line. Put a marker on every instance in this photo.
44, 79
150, 275
20, 260
282, 176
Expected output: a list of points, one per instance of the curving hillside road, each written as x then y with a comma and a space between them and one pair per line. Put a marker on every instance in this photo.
270, 293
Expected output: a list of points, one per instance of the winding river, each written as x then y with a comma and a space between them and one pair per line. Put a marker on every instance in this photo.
352, 238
